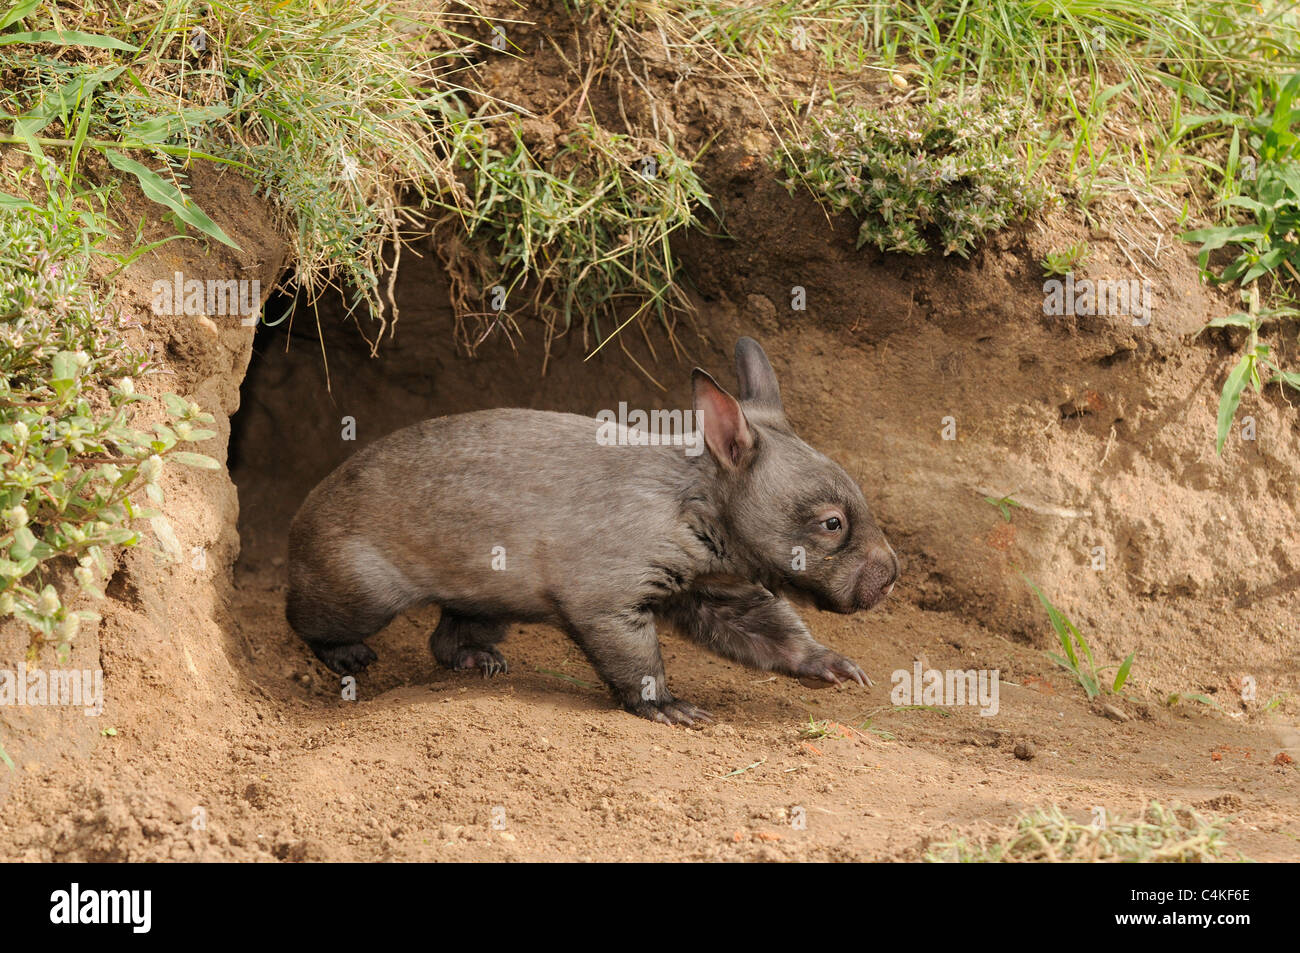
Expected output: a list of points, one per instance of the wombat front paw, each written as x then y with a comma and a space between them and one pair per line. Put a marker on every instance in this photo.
671, 711
346, 659
829, 669
487, 660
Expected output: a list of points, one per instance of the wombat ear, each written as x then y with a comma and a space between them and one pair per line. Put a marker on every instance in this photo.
758, 384
726, 432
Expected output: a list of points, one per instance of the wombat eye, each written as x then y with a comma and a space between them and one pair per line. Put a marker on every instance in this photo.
832, 525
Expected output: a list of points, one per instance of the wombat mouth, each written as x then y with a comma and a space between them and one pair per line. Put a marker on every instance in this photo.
808, 599
799, 597
803, 598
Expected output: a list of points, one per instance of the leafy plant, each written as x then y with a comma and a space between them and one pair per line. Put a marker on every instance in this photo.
1253, 360
1078, 659
1205, 700
333, 109
945, 167
72, 460
883, 733
73, 105
826, 728
1271, 242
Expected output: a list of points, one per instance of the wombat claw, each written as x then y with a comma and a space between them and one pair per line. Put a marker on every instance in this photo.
672, 711
489, 661
832, 669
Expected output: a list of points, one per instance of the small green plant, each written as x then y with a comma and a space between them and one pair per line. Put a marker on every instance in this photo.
944, 168
73, 105
1276, 701
1178, 697
1078, 659
882, 733
1271, 242
1066, 260
1047, 835
819, 729
1253, 360
1004, 505
827, 728
933, 709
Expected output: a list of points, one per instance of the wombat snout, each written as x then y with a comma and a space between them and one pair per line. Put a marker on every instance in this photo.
877, 578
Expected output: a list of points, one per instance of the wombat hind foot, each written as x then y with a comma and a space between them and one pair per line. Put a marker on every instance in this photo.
671, 711
461, 641
347, 659
486, 659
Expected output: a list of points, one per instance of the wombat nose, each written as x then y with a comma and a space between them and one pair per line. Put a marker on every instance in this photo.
885, 556
879, 573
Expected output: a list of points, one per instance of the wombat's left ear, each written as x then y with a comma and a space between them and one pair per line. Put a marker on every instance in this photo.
758, 384
726, 431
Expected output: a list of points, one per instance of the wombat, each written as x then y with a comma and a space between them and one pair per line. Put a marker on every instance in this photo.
504, 516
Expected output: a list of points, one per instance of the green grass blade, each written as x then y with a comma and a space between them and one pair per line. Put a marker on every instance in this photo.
13, 201
68, 38
1231, 397
169, 196
1122, 675
18, 12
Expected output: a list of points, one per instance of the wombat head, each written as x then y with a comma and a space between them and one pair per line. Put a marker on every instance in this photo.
794, 516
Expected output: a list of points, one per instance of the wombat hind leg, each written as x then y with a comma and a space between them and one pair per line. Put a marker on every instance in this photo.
335, 634
463, 642
346, 659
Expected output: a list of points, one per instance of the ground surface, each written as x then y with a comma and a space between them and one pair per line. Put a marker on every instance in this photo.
245, 725
230, 742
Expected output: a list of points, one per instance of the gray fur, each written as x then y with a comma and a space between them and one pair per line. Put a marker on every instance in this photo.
599, 540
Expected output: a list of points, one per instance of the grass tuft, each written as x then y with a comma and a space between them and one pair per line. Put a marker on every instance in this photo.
588, 229
1047, 835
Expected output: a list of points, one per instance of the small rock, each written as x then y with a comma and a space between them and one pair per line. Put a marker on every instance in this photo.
1113, 713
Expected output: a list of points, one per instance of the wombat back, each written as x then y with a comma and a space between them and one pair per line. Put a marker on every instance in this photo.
502, 512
